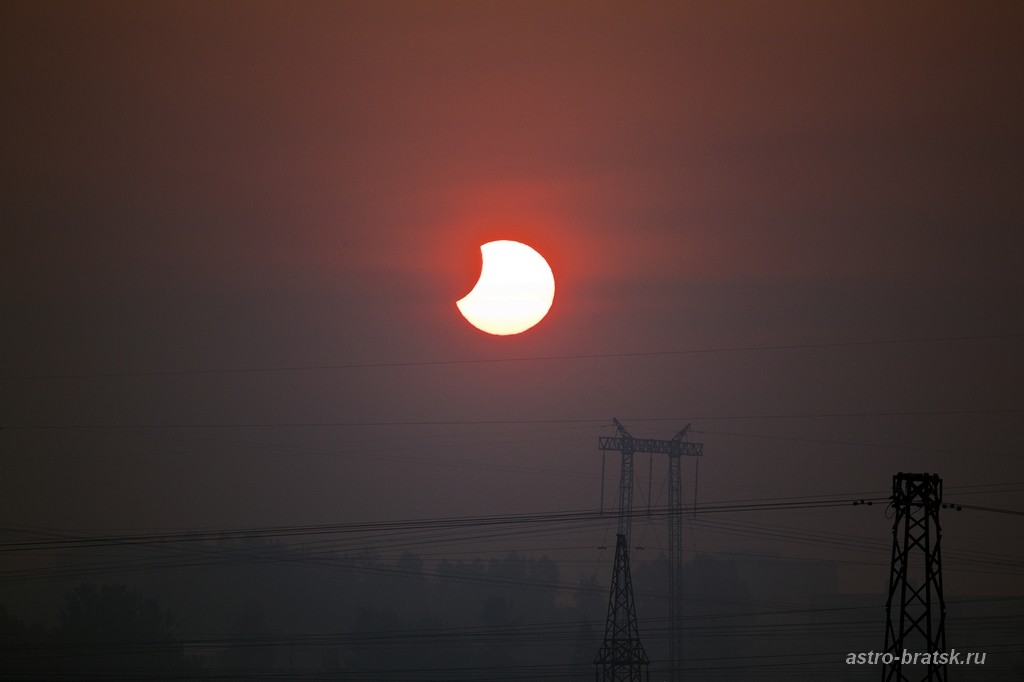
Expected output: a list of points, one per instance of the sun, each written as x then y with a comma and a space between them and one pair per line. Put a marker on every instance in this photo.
514, 292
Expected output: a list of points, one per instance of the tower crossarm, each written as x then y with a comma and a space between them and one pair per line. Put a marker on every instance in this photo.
653, 446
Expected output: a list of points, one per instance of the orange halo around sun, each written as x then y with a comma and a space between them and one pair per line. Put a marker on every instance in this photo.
514, 292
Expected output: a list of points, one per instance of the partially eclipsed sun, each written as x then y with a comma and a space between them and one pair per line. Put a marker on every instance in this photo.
514, 292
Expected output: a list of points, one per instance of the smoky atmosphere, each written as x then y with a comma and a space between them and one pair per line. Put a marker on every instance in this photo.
487, 341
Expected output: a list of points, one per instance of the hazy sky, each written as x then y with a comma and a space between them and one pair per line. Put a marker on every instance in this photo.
219, 186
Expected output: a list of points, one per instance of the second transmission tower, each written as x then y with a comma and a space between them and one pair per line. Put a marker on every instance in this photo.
915, 608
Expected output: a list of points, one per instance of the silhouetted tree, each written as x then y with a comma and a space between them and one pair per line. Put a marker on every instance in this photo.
24, 648
113, 632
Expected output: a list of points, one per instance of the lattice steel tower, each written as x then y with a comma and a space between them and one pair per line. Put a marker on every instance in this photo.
621, 657
915, 609
675, 448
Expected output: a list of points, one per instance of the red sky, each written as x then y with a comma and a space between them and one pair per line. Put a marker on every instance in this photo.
233, 185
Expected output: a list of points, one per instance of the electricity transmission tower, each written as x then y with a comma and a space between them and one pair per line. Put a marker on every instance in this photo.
675, 448
915, 609
621, 657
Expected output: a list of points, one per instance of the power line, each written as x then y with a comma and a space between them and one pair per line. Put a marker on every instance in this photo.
544, 358
491, 422
889, 446
405, 525
993, 510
